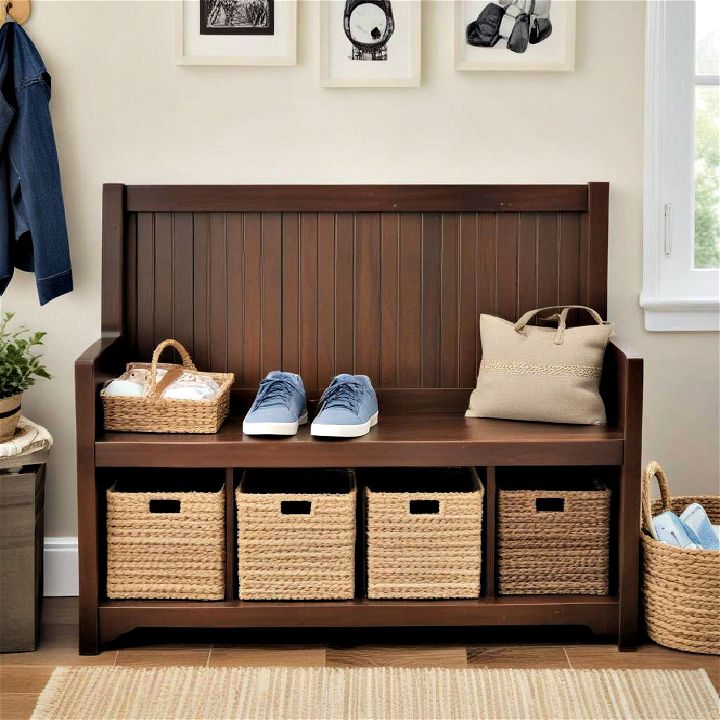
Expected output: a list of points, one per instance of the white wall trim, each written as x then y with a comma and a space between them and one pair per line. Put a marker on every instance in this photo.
60, 566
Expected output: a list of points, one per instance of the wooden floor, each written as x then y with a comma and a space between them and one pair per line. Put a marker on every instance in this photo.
23, 675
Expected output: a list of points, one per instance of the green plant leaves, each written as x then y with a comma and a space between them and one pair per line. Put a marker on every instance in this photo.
19, 365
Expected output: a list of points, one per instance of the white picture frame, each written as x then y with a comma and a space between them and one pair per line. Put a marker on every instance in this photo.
194, 48
554, 54
401, 68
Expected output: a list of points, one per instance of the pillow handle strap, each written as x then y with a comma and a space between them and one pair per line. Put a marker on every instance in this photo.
561, 318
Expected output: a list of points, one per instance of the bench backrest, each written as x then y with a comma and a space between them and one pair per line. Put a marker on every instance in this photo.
383, 280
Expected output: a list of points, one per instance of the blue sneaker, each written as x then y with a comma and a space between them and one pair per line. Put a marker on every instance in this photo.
279, 406
347, 408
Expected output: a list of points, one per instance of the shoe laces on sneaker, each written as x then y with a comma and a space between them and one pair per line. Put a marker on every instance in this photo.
274, 391
343, 394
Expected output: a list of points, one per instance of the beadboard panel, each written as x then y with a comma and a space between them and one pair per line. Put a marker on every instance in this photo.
395, 295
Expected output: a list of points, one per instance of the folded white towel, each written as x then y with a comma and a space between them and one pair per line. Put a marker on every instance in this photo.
29, 438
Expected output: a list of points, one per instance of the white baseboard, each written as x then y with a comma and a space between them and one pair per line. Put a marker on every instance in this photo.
60, 566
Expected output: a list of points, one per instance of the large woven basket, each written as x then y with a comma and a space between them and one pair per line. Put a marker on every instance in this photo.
423, 533
554, 540
154, 413
296, 534
165, 544
681, 588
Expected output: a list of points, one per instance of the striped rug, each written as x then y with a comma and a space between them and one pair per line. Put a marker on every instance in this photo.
92, 693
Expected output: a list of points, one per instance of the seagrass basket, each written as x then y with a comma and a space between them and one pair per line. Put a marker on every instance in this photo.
296, 534
681, 587
154, 413
554, 540
423, 533
165, 543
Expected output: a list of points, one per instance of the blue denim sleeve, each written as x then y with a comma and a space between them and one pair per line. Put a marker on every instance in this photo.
40, 229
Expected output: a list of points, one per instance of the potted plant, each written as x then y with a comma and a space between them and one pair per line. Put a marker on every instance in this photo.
20, 366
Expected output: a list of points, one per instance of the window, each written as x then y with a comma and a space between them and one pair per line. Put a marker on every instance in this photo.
681, 283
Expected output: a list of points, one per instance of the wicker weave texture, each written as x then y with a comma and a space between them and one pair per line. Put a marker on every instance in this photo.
553, 553
297, 556
164, 555
681, 588
153, 413
424, 556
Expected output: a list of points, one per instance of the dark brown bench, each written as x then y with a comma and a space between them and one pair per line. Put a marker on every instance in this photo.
383, 280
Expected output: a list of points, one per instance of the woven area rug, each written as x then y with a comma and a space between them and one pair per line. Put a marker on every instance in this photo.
374, 693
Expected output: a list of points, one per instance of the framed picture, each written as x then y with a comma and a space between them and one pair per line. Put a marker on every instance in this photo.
370, 43
236, 32
514, 35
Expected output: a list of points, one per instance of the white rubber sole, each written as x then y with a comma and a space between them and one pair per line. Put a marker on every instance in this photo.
251, 428
343, 431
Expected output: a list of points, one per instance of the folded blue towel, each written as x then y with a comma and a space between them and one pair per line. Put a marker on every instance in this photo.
670, 529
697, 521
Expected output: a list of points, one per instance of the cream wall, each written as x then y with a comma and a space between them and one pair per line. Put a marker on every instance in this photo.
124, 112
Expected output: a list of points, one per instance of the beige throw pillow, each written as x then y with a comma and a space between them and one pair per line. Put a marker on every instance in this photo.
541, 373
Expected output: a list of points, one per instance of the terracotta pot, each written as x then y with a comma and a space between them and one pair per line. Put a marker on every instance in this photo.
9, 416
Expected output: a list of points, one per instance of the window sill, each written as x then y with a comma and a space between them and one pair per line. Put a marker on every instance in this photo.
681, 314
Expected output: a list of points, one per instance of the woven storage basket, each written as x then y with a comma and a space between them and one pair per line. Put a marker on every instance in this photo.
154, 413
554, 540
423, 533
165, 544
296, 534
681, 588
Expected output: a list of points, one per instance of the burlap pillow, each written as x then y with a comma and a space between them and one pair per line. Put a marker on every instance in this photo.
541, 373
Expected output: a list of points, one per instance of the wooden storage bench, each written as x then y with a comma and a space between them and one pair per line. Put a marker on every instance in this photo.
383, 280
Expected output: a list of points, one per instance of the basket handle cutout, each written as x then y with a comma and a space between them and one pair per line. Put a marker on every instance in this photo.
295, 507
550, 504
424, 507
168, 507
654, 470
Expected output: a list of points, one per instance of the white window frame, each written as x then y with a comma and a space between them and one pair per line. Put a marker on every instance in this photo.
675, 296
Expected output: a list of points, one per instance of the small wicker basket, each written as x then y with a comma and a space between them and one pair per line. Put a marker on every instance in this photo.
681, 588
154, 413
423, 533
554, 540
296, 534
165, 544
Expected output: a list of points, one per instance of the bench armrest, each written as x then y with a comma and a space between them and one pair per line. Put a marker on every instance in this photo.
104, 359
622, 386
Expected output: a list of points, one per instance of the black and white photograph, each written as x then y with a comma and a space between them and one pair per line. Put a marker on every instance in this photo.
515, 34
370, 43
236, 32
237, 17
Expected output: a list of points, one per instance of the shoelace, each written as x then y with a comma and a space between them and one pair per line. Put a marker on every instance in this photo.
275, 391
344, 395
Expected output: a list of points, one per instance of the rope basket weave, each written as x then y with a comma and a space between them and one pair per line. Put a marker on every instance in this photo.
565, 550
427, 555
175, 553
154, 413
295, 545
681, 587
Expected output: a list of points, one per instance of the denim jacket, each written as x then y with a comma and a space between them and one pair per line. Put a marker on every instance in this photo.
33, 234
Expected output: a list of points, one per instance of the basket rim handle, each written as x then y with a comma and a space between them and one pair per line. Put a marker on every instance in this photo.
187, 363
654, 470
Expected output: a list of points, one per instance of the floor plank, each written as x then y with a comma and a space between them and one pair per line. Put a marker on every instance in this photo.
57, 655
266, 657
519, 656
415, 656
17, 706
648, 657
168, 656
60, 611
24, 678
